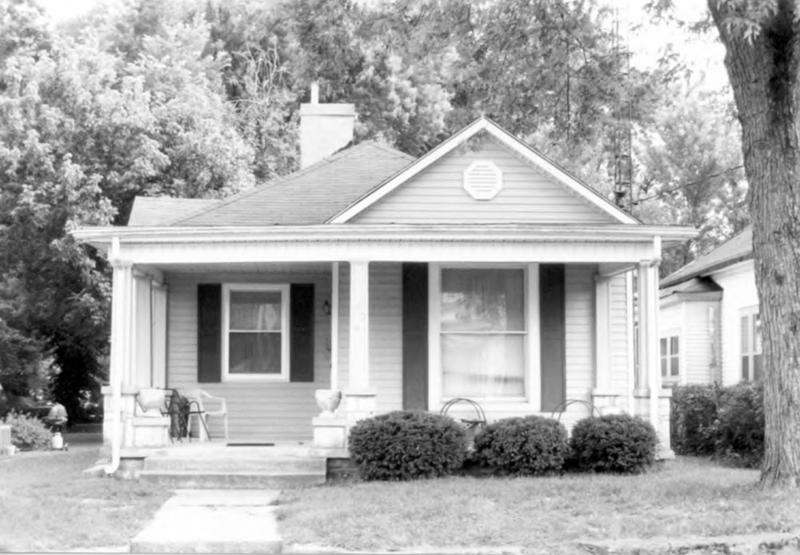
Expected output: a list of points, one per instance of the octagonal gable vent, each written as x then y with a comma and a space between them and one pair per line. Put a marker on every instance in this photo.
483, 180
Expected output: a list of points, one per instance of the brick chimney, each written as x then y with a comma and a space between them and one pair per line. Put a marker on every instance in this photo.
324, 128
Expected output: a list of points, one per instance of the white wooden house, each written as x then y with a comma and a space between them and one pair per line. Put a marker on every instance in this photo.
479, 270
709, 317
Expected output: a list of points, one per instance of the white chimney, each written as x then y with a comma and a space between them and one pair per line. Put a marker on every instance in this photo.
324, 128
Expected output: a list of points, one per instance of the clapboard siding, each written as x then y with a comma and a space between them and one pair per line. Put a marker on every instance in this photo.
436, 194
738, 292
579, 285
698, 341
256, 410
619, 336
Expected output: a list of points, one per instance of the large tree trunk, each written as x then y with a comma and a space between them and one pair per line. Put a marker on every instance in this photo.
762, 65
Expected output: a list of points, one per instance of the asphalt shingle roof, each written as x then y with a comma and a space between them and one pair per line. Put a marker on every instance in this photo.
148, 211
737, 248
310, 196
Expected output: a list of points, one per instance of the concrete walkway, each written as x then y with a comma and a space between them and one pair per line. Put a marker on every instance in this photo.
218, 521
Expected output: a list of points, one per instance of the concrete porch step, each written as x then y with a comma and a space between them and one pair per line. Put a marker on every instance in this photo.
299, 465
231, 479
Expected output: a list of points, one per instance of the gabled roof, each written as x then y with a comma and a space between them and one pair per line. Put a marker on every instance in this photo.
310, 196
149, 211
737, 248
484, 125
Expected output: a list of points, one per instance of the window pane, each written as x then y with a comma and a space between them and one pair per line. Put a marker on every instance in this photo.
673, 345
757, 334
663, 367
254, 353
675, 366
757, 361
745, 368
663, 346
255, 310
482, 365
482, 300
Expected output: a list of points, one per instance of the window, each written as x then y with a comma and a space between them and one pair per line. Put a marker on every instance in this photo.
670, 357
750, 329
483, 333
255, 340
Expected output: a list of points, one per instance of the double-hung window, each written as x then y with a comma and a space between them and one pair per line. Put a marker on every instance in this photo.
483, 332
750, 333
255, 340
670, 357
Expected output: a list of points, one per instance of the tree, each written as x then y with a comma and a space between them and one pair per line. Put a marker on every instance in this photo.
689, 171
762, 41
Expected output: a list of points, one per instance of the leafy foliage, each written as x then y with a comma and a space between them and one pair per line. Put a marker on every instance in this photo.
613, 443
523, 446
406, 445
693, 419
28, 432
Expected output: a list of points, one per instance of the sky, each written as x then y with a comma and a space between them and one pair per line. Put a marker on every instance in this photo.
646, 40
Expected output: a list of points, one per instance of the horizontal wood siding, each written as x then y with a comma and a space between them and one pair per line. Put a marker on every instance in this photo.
256, 410
436, 195
579, 285
698, 342
739, 291
619, 337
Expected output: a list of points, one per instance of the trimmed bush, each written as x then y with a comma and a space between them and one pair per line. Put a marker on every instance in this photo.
525, 446
28, 432
406, 445
740, 425
613, 443
693, 419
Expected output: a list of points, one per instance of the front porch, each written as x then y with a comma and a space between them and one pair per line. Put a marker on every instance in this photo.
374, 334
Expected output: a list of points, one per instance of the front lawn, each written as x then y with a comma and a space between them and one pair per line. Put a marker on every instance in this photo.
543, 515
48, 504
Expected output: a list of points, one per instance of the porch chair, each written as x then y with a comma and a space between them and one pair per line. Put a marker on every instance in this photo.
219, 408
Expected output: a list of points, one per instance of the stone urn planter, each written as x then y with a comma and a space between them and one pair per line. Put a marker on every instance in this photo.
328, 401
151, 399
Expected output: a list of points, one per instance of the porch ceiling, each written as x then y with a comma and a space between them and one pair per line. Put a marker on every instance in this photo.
245, 267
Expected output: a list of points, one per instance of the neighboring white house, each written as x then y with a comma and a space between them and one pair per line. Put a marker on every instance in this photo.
709, 319
479, 270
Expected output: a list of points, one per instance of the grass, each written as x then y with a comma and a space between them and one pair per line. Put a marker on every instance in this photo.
49, 505
543, 515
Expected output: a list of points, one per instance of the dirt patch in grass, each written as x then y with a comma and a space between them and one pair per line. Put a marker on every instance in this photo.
49, 504
543, 515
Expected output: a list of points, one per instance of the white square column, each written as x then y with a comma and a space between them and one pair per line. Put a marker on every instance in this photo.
604, 397
359, 399
652, 399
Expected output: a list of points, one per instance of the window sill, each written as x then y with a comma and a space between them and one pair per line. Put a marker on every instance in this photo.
255, 378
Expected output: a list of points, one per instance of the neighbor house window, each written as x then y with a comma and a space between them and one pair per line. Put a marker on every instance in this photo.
670, 357
483, 333
255, 332
750, 329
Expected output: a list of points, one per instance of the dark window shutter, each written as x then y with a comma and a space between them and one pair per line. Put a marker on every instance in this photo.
552, 324
301, 340
209, 339
415, 336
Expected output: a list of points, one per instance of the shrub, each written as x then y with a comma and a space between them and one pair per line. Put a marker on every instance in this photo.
527, 446
693, 418
28, 432
740, 425
613, 443
405, 445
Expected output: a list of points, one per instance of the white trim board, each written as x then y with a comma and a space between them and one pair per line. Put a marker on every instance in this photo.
484, 124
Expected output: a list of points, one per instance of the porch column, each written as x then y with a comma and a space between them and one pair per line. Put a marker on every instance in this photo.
657, 400
359, 399
121, 352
